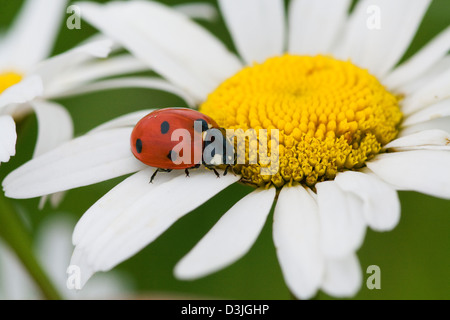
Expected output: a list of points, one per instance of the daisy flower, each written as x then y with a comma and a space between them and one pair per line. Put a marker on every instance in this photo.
354, 128
28, 80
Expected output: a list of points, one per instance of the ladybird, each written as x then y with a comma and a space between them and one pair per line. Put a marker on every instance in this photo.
180, 138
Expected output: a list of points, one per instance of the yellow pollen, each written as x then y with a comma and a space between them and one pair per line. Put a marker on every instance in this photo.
8, 79
332, 116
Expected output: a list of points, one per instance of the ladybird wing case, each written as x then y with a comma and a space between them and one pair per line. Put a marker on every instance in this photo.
152, 138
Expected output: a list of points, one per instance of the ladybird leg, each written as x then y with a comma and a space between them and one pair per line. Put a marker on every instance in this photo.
156, 171
153, 175
187, 172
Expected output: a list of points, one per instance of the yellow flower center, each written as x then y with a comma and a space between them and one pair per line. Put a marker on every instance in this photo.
8, 79
331, 115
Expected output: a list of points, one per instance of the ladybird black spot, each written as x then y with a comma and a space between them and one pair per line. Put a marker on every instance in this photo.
172, 155
139, 145
204, 124
165, 127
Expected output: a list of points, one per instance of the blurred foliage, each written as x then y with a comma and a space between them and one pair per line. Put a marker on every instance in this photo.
414, 258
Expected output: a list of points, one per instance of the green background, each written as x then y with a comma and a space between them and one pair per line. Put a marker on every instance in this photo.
414, 258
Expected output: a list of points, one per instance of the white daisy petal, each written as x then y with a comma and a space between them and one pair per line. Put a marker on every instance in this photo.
402, 30
8, 138
55, 199
93, 222
60, 65
435, 124
16, 284
54, 249
433, 92
31, 38
435, 71
137, 222
115, 48
324, 18
193, 59
296, 236
230, 238
79, 162
425, 171
257, 27
420, 62
54, 126
438, 110
25, 91
98, 69
423, 138
198, 10
128, 120
341, 219
130, 82
398, 23
381, 205
343, 277
201, 187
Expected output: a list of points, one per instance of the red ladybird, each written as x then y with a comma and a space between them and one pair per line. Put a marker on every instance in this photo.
157, 141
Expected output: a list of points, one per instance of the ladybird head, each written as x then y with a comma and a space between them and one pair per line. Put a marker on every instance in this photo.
217, 149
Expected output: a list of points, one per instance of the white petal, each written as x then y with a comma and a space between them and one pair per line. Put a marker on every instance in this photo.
54, 247
115, 48
56, 68
420, 62
55, 200
435, 124
54, 126
438, 110
422, 138
381, 205
230, 238
341, 220
343, 277
257, 27
422, 171
8, 138
432, 73
199, 10
80, 162
175, 47
94, 222
98, 69
296, 236
128, 120
399, 22
130, 82
25, 91
433, 92
136, 212
15, 282
323, 18
31, 38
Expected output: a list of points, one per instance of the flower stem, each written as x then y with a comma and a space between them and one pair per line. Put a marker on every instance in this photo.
17, 237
